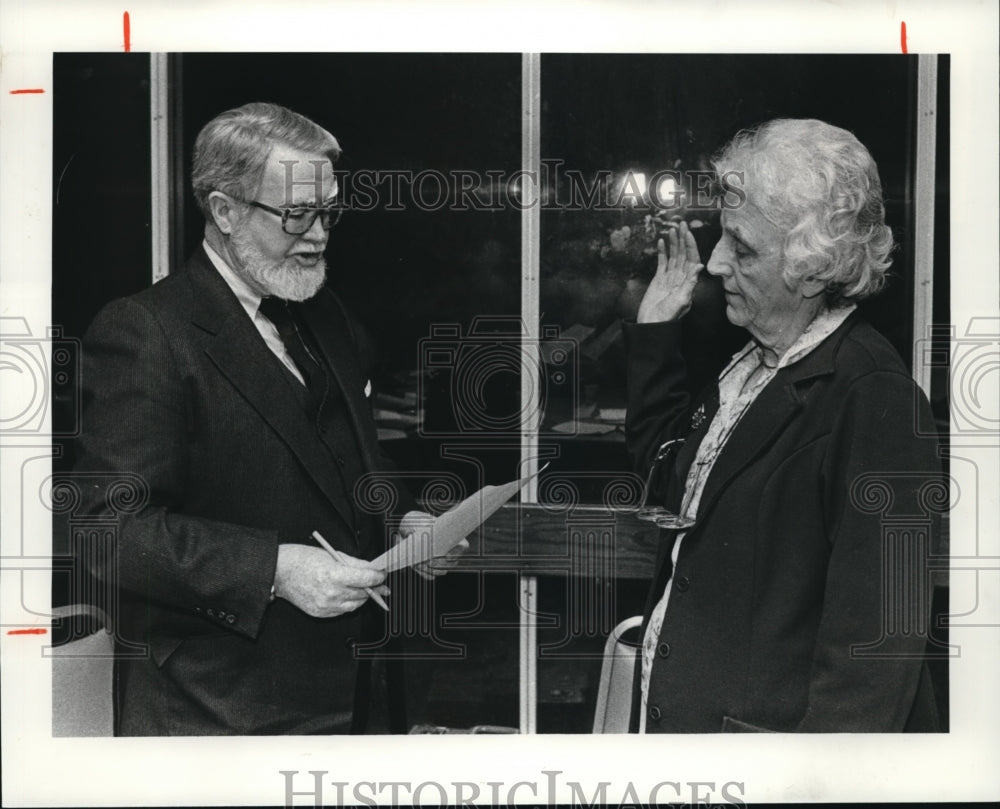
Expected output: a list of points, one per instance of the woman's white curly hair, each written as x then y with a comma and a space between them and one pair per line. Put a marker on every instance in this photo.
819, 183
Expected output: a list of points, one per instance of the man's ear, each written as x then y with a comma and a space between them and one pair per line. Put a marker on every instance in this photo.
225, 215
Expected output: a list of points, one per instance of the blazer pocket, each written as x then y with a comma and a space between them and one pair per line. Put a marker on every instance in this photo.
162, 646
731, 725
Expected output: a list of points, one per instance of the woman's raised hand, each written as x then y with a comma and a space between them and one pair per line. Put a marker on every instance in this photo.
669, 294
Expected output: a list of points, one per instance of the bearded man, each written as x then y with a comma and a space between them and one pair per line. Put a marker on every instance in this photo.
234, 393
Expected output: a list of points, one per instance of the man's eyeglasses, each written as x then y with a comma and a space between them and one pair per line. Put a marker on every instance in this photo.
296, 221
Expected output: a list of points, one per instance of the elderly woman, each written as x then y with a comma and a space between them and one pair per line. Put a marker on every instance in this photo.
759, 613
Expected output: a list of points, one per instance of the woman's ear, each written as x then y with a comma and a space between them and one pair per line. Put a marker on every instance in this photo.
224, 212
810, 286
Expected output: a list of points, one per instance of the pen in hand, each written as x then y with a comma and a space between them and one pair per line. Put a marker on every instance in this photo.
341, 558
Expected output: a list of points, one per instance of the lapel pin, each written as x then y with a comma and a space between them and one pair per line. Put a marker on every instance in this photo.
698, 418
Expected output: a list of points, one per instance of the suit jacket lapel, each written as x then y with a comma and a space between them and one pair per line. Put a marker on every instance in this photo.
326, 322
701, 417
238, 351
760, 426
775, 407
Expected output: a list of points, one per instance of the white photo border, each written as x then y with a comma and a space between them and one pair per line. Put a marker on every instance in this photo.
960, 765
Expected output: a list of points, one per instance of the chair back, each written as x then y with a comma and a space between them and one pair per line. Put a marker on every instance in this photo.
614, 693
82, 672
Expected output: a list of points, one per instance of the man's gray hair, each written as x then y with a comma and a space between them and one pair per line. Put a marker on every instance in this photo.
231, 150
819, 183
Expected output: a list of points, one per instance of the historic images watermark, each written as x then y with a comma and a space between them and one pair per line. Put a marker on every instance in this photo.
582, 547
547, 789
38, 372
553, 187
970, 363
457, 368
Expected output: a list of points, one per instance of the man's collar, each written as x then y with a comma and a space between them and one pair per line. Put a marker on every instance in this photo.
248, 299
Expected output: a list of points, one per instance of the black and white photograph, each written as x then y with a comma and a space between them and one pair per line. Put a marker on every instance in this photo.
360, 398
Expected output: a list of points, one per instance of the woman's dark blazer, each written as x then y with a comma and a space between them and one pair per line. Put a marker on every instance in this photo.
801, 597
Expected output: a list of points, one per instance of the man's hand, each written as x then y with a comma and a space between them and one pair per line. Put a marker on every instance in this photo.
669, 294
319, 585
414, 521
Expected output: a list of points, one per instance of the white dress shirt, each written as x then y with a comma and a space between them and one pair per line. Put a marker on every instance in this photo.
250, 301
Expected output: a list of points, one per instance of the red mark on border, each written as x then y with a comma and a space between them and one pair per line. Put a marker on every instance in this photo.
902, 36
38, 631
128, 32
27, 90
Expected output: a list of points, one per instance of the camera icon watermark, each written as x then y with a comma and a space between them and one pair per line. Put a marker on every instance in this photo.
39, 374
908, 506
470, 385
972, 365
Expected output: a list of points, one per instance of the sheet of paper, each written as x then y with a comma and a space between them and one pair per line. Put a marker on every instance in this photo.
440, 534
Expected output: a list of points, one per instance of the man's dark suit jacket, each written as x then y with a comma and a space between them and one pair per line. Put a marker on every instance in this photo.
784, 571
180, 389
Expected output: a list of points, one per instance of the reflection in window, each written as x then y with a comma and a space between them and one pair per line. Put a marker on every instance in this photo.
627, 141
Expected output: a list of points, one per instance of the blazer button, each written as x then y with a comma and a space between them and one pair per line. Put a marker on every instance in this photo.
210, 612
341, 460
350, 643
655, 713
682, 584
663, 650
231, 618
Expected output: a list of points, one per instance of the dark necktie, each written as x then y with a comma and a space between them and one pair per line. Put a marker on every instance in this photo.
278, 313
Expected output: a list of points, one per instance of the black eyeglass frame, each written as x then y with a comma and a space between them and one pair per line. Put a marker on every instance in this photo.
329, 215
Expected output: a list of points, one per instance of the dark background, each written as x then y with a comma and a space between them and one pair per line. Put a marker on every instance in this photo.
402, 271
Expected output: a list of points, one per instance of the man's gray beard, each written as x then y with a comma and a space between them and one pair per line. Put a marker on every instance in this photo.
285, 279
